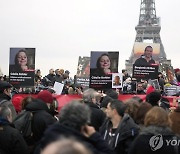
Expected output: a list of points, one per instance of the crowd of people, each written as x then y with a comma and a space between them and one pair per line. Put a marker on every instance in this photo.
97, 123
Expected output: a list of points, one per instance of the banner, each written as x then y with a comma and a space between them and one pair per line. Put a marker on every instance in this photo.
145, 72
21, 67
102, 65
83, 72
171, 90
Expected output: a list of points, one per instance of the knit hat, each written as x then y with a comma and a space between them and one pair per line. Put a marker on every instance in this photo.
150, 89
45, 96
17, 101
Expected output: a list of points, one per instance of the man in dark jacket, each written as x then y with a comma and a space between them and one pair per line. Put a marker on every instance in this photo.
41, 118
73, 123
58, 77
51, 77
120, 129
5, 96
146, 58
90, 97
11, 141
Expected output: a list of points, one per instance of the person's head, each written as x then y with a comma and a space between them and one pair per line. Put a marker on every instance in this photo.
141, 112
66, 146
51, 71
21, 58
112, 93
5, 88
90, 95
5, 113
67, 72
117, 80
132, 107
157, 117
57, 71
124, 72
115, 108
38, 72
46, 97
105, 101
103, 62
148, 52
140, 86
153, 98
175, 120
27, 100
137, 98
61, 71
75, 115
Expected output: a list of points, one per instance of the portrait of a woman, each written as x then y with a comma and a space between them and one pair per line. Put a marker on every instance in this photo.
21, 62
103, 65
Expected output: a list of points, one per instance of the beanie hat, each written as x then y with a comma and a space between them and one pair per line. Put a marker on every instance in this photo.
45, 96
150, 89
17, 101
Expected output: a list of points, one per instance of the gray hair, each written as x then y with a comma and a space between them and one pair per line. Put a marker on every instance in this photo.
75, 115
89, 94
4, 112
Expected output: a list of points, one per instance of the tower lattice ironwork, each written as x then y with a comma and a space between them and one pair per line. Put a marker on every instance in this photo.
148, 30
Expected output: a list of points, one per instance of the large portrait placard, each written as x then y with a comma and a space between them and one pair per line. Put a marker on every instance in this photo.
102, 65
140, 47
22, 67
83, 72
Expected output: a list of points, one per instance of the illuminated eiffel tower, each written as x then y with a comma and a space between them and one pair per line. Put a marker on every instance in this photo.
148, 30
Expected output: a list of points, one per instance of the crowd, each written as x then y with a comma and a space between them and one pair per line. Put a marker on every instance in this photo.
97, 123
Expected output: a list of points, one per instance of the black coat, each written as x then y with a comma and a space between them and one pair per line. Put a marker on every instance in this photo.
141, 144
143, 62
51, 77
97, 116
58, 78
124, 134
11, 141
41, 118
95, 143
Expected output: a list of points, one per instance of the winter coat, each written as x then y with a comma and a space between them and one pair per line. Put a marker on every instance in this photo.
97, 116
146, 143
58, 78
51, 77
11, 141
8, 103
95, 142
41, 118
122, 138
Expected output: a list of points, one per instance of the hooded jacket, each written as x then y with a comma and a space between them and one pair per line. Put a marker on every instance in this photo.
11, 141
144, 143
121, 139
41, 118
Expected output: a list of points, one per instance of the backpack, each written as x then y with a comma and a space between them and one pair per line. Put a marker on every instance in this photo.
23, 123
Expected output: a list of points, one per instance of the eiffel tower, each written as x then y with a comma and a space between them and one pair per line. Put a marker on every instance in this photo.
148, 30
